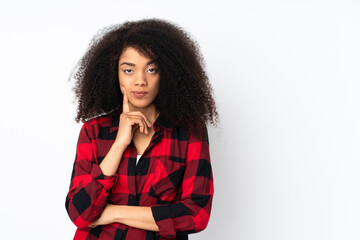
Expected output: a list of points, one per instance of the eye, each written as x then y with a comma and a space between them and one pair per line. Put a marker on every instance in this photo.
128, 71
152, 70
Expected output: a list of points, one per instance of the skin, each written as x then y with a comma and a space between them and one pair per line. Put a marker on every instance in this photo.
136, 73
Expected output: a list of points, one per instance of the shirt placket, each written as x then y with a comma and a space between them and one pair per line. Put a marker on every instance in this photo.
135, 171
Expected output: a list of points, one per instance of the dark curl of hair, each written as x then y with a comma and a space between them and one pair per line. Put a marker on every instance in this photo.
185, 94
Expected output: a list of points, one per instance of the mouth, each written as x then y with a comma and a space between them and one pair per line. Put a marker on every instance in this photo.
139, 94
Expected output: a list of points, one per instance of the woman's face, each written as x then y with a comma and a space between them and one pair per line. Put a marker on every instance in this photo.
140, 77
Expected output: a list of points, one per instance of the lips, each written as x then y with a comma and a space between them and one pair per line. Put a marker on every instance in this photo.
139, 94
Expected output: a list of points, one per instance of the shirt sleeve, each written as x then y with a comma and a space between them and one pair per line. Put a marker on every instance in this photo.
191, 214
89, 188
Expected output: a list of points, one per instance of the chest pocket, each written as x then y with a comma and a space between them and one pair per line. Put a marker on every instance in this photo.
168, 176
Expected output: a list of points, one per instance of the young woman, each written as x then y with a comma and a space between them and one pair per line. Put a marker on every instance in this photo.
142, 168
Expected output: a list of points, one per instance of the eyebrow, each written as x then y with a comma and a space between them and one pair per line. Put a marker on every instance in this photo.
132, 64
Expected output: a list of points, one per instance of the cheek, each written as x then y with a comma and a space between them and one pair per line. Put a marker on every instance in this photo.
157, 90
123, 83
121, 87
157, 85
123, 78
126, 89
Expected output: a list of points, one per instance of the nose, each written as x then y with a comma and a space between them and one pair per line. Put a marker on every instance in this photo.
140, 79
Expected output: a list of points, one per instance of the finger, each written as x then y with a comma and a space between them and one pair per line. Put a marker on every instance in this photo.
146, 130
141, 125
92, 225
144, 126
125, 102
148, 123
134, 129
138, 120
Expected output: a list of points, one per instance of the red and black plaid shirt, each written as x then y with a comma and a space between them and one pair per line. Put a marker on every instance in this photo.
173, 176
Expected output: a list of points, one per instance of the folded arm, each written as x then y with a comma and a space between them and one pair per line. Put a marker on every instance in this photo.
190, 214
89, 187
134, 216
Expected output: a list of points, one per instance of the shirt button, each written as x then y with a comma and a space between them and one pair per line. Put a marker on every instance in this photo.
139, 173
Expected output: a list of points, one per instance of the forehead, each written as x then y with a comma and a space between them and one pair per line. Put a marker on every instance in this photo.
132, 54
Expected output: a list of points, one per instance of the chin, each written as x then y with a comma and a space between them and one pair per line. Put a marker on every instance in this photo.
141, 105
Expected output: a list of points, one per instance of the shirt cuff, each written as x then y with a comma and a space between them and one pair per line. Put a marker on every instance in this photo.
163, 218
106, 181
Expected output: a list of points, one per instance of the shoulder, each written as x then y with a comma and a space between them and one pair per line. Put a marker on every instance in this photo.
107, 120
199, 135
97, 121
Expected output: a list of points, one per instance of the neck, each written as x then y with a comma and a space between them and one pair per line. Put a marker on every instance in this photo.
150, 111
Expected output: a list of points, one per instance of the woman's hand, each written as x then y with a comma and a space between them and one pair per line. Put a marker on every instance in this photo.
130, 122
107, 216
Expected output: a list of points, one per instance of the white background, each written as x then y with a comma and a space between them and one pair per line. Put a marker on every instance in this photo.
286, 80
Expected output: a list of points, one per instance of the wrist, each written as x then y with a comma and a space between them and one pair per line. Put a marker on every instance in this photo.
119, 145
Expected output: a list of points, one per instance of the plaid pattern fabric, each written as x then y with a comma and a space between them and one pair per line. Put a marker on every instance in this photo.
173, 176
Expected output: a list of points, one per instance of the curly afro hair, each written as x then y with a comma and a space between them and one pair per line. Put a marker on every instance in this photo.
185, 94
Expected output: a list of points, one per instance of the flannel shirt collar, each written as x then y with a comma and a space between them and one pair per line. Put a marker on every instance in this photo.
161, 122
